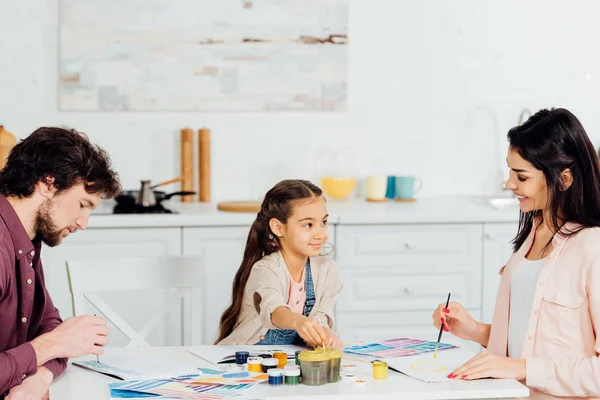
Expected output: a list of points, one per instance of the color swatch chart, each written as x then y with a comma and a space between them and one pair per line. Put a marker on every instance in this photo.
395, 348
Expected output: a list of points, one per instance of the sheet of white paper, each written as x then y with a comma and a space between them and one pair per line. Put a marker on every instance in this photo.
130, 368
424, 367
218, 354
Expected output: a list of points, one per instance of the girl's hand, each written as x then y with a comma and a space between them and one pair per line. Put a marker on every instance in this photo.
456, 320
311, 331
489, 365
333, 340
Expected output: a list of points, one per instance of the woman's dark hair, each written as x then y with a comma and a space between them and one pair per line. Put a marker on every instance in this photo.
552, 141
63, 154
278, 203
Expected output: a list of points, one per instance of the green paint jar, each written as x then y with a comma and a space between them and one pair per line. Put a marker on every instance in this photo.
292, 374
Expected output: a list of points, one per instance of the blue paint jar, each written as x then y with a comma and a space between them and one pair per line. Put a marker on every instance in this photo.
241, 357
275, 376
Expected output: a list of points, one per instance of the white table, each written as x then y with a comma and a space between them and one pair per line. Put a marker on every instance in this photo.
77, 383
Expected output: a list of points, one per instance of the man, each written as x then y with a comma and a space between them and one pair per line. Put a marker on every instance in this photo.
51, 182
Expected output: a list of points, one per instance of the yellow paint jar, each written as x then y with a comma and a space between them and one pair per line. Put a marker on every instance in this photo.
380, 370
255, 364
281, 358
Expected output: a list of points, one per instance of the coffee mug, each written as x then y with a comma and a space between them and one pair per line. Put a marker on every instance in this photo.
376, 187
391, 187
407, 187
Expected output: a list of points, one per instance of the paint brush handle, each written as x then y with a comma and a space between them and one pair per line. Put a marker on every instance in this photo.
97, 356
442, 326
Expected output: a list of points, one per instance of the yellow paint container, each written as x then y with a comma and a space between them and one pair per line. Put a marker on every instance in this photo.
255, 364
380, 370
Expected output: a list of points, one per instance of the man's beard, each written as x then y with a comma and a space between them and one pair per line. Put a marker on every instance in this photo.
45, 228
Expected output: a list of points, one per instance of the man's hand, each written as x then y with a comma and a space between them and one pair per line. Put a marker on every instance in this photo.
76, 337
34, 387
80, 336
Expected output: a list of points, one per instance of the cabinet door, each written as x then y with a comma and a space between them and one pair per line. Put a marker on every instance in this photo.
430, 247
112, 243
223, 250
497, 248
409, 267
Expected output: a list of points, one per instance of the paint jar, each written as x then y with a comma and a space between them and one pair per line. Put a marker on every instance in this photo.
282, 358
265, 355
241, 357
255, 364
380, 370
269, 363
315, 367
335, 364
275, 376
297, 359
292, 374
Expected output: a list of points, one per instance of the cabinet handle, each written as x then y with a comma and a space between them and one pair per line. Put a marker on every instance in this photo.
409, 245
408, 290
489, 236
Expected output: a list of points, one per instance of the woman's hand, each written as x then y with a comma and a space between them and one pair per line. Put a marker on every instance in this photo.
489, 365
456, 320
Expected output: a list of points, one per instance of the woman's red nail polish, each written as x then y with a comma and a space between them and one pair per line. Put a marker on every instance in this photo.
464, 376
446, 310
446, 329
450, 376
443, 320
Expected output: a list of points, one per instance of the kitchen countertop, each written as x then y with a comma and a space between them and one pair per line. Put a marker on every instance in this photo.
354, 212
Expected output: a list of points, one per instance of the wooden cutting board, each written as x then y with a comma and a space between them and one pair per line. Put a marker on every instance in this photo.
7, 142
248, 206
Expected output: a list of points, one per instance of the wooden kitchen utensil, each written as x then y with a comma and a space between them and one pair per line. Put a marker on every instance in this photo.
7, 142
250, 206
204, 164
187, 163
174, 180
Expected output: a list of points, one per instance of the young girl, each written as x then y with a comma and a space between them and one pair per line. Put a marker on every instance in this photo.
284, 292
547, 315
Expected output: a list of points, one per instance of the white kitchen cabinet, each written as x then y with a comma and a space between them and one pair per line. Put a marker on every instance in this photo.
409, 267
430, 247
222, 249
113, 243
497, 248
395, 275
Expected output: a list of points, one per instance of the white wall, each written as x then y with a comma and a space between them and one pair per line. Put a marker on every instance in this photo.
433, 85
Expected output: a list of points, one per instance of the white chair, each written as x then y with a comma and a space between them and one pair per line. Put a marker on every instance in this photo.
185, 273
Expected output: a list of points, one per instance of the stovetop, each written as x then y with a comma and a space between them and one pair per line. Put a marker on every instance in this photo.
135, 209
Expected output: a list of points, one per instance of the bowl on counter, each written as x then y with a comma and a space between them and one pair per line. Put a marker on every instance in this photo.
338, 187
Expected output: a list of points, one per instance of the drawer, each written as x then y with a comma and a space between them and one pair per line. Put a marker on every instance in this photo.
385, 289
409, 245
376, 326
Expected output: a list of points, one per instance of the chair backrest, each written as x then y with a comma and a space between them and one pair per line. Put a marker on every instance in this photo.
185, 273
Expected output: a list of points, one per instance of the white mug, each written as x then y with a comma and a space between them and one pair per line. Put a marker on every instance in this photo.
376, 187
